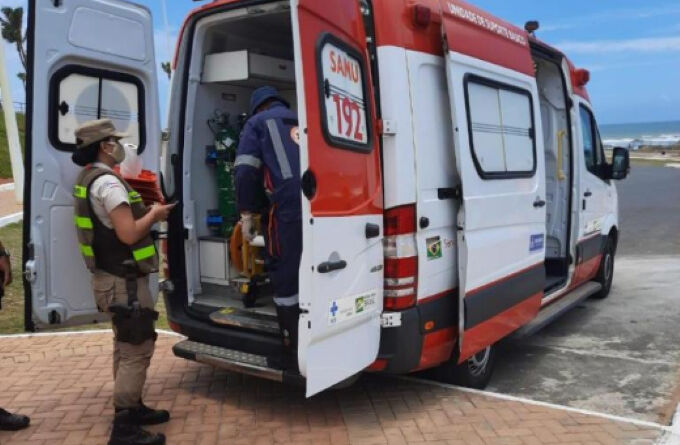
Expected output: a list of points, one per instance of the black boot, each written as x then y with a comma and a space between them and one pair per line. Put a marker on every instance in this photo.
288, 317
12, 422
143, 415
127, 433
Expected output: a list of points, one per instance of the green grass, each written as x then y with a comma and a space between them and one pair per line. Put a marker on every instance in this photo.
12, 313
5, 167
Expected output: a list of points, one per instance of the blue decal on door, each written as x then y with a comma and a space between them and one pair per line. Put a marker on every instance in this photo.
536, 243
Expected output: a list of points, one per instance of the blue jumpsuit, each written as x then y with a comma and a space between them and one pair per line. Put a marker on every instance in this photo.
267, 155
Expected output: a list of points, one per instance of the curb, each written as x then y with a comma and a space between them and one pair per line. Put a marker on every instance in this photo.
672, 437
6, 187
11, 219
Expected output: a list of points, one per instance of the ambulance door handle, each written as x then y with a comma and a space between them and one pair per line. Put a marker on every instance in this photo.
372, 230
330, 266
588, 194
539, 203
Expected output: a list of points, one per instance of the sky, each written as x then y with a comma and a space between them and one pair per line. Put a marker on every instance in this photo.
631, 47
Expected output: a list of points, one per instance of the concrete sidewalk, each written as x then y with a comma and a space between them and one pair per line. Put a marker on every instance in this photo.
64, 383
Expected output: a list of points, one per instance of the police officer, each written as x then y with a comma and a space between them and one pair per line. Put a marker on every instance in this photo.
268, 156
113, 227
9, 421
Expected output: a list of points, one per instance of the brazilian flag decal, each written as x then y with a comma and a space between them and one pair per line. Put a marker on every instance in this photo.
434, 248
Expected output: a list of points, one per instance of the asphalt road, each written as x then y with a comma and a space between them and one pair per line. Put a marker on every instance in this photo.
620, 355
649, 211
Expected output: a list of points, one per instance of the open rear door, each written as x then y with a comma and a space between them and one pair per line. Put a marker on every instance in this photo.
341, 277
88, 59
497, 134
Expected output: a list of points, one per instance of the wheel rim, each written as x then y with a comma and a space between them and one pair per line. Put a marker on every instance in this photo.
608, 266
477, 363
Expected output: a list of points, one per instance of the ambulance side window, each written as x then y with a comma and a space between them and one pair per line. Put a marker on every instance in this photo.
345, 104
79, 94
501, 129
593, 152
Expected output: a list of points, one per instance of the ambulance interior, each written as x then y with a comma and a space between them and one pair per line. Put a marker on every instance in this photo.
557, 143
233, 54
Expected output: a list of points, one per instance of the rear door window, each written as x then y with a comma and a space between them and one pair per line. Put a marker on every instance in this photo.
80, 94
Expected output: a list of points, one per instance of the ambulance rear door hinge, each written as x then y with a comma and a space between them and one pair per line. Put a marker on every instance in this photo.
387, 127
390, 320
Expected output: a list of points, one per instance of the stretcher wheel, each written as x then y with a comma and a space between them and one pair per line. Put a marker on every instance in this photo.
250, 297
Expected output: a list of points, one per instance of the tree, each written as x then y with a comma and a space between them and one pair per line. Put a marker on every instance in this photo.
167, 68
22, 76
12, 22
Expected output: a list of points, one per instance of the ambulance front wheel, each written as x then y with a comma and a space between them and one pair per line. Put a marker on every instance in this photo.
474, 372
605, 275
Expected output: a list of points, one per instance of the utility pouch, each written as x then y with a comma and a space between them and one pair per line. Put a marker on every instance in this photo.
134, 326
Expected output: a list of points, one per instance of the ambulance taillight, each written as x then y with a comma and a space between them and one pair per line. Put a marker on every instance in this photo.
401, 258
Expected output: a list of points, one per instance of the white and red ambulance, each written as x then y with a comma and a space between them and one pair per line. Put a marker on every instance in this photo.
455, 188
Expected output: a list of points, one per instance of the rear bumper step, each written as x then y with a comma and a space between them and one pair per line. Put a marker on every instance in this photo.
557, 309
232, 360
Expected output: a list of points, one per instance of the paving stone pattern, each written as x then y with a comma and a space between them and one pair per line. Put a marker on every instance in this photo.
64, 384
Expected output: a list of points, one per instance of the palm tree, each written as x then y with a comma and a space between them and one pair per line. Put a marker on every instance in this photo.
12, 30
167, 68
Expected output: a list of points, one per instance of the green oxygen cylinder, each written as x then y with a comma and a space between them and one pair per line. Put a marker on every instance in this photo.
226, 143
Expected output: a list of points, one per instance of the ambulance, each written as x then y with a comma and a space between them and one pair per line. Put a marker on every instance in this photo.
455, 189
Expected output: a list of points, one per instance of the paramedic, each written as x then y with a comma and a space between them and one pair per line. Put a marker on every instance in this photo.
113, 227
9, 421
268, 155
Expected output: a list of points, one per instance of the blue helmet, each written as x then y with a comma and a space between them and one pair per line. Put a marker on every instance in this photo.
262, 95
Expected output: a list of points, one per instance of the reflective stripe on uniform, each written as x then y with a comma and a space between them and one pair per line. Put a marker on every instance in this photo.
287, 301
279, 149
86, 250
134, 197
144, 253
249, 160
79, 191
83, 222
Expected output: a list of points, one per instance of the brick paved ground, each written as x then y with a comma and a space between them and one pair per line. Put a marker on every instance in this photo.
8, 203
64, 384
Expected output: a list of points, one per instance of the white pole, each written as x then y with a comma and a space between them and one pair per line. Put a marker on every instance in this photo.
167, 29
12, 129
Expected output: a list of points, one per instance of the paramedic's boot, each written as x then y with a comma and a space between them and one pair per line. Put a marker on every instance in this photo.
12, 422
147, 416
126, 433
288, 321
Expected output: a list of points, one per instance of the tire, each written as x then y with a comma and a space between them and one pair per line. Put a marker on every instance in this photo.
347, 383
605, 275
475, 372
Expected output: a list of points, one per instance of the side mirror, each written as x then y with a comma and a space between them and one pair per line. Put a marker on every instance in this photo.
620, 163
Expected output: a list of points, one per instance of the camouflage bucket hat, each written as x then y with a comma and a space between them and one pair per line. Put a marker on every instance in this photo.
95, 131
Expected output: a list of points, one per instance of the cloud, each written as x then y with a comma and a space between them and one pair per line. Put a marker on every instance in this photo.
644, 45
610, 16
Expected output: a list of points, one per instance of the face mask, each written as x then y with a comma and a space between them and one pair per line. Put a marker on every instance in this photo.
118, 153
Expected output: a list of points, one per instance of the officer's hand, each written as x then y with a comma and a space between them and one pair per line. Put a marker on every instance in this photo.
6, 269
161, 211
247, 226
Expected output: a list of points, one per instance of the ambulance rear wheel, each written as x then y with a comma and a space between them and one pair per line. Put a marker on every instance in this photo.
474, 372
605, 275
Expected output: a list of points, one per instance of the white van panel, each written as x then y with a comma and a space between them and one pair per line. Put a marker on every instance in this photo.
88, 23
504, 219
61, 292
398, 149
435, 169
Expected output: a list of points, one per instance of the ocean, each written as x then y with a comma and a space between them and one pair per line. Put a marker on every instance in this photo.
635, 135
